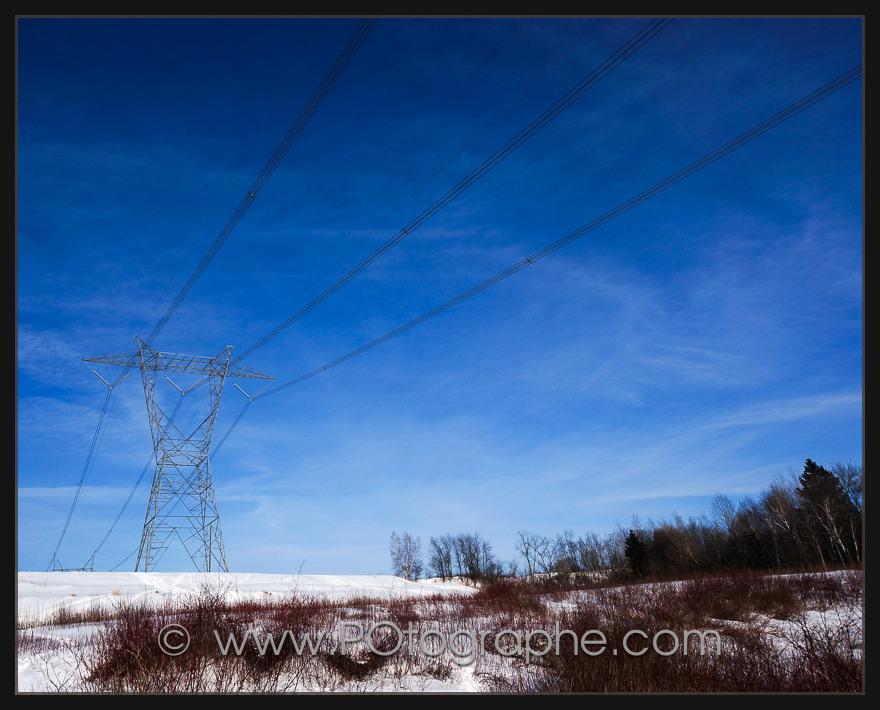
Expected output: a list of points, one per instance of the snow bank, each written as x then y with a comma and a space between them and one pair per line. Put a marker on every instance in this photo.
41, 593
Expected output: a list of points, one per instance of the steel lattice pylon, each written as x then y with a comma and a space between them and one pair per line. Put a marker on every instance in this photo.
182, 503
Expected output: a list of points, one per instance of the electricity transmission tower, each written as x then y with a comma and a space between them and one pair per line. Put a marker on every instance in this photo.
182, 504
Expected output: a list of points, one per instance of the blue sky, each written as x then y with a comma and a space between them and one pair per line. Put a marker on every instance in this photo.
705, 342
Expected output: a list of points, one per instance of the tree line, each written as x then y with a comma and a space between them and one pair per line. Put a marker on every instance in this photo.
812, 520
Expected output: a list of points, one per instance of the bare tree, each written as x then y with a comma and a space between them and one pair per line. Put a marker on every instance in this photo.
545, 554
592, 553
467, 555
525, 546
814, 518
850, 478
780, 508
565, 553
406, 552
440, 556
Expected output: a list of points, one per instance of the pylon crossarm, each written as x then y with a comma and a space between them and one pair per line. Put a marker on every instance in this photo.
182, 473
155, 361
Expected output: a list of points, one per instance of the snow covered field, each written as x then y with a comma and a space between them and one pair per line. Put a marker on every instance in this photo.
41, 593
50, 656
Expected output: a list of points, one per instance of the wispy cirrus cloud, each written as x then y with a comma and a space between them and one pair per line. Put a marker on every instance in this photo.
699, 344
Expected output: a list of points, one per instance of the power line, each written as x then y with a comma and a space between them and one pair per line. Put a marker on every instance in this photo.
626, 50
147, 466
238, 418
239, 159
296, 128
342, 60
676, 177
427, 180
124, 560
189, 480
82, 476
622, 53
234, 424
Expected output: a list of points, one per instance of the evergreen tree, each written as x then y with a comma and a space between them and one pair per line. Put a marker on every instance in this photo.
825, 513
636, 553
817, 484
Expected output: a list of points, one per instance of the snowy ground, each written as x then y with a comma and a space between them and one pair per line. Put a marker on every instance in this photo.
52, 665
41, 593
